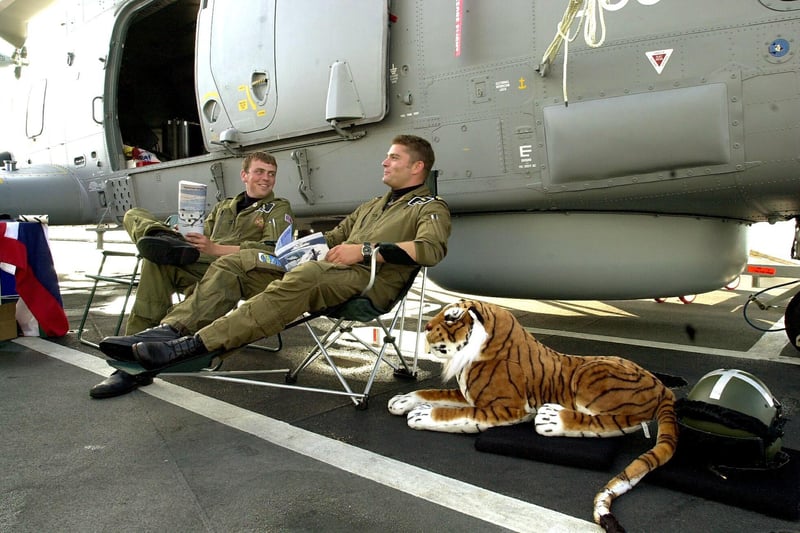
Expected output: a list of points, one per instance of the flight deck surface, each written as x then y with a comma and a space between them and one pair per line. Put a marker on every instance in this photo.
187, 454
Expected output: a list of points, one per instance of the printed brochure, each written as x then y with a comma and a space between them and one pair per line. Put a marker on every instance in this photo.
191, 206
292, 252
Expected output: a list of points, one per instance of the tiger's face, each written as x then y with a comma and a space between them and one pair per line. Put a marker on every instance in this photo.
448, 331
456, 333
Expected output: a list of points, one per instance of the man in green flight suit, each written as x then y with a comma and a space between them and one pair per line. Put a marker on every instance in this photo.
410, 223
252, 220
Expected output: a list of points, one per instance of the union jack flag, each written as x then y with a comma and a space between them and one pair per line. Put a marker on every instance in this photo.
26, 269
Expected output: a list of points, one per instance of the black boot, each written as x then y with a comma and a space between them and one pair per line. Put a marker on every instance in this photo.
119, 383
167, 248
154, 355
119, 348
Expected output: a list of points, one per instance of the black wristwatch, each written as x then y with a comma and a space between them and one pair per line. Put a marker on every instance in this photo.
366, 251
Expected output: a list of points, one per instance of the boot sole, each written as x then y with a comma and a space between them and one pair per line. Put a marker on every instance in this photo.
161, 253
118, 351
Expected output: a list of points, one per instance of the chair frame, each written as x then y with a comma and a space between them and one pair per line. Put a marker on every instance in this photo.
343, 326
343, 321
130, 280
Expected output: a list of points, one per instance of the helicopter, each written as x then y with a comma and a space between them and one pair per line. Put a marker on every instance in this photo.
588, 149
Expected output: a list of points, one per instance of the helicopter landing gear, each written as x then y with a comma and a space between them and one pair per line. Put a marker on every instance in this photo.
687, 299
733, 284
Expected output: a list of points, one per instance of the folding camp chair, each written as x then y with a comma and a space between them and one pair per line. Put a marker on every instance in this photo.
129, 280
361, 309
358, 309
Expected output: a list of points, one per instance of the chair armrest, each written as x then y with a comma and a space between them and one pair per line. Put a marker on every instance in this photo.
373, 270
114, 253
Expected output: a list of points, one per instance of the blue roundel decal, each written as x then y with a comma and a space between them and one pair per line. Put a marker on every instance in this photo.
779, 48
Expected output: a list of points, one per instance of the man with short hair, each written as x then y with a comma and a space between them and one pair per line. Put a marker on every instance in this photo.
410, 224
252, 220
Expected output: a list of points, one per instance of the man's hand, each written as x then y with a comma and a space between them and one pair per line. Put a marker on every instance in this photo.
345, 254
207, 246
201, 242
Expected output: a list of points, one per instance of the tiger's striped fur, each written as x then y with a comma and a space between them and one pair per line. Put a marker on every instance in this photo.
505, 376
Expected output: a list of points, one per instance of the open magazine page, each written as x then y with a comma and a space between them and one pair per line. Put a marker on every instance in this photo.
285, 238
291, 253
191, 206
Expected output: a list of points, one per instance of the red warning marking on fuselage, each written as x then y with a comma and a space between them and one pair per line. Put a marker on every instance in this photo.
659, 58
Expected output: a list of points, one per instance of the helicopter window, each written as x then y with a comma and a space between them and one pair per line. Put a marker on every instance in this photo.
260, 86
211, 110
781, 5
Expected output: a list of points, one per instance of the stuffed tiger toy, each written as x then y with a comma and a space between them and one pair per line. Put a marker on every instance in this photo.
505, 376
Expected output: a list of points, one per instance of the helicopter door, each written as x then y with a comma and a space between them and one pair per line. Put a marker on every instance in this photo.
275, 69
235, 62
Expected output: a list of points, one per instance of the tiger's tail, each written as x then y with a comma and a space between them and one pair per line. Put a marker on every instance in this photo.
659, 454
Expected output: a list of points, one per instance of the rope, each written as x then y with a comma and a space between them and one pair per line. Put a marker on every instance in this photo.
754, 298
592, 15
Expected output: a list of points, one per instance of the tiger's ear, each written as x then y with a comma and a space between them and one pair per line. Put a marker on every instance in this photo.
477, 313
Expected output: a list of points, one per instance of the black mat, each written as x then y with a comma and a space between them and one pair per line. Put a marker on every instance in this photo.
521, 440
773, 492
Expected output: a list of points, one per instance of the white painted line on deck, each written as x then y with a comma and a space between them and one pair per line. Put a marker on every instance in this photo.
462, 497
771, 342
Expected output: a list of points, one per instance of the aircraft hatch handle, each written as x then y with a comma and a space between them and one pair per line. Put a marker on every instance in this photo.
300, 157
216, 175
97, 109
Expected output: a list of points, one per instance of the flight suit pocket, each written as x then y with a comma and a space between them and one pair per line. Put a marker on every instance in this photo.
255, 259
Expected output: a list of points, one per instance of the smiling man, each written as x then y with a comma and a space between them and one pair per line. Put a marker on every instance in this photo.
253, 220
410, 224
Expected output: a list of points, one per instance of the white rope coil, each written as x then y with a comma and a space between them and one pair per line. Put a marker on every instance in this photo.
591, 17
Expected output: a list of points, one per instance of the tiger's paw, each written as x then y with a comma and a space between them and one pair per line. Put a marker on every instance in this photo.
403, 403
547, 420
420, 417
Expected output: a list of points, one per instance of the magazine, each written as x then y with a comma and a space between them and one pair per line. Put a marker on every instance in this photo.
191, 206
291, 252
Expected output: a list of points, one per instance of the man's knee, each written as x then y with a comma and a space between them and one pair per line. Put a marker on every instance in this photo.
324, 285
232, 263
136, 220
310, 272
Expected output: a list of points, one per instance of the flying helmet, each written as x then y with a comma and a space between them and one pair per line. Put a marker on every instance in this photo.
730, 418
